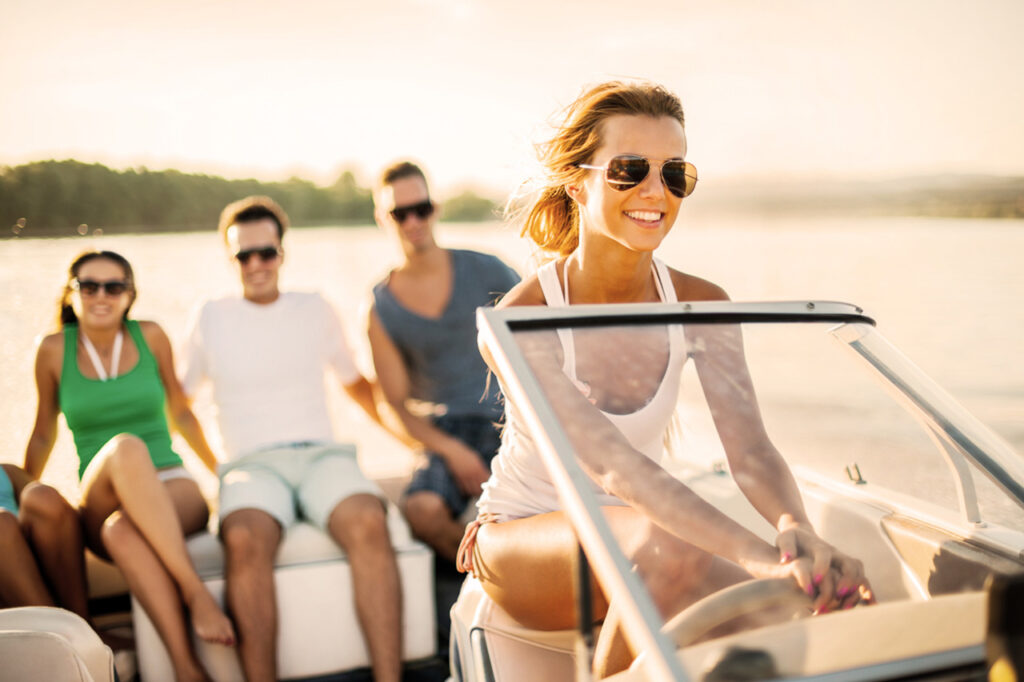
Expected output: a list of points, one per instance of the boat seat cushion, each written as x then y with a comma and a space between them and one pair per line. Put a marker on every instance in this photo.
47, 643
318, 632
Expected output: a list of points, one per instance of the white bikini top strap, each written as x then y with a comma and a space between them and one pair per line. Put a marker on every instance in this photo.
666, 289
556, 297
557, 294
94, 356
547, 275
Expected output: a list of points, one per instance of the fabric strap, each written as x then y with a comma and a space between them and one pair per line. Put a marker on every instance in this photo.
115, 358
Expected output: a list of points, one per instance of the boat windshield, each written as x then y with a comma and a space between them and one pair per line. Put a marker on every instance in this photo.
691, 387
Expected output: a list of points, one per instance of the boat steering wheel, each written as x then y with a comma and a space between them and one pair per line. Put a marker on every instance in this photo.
744, 598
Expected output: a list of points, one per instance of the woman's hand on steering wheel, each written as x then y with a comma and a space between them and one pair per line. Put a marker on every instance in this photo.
833, 579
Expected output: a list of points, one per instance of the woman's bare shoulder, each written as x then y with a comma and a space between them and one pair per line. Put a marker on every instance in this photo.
153, 333
527, 292
49, 344
50, 354
693, 288
149, 328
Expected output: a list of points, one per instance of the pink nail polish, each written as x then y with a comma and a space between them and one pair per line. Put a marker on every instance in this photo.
786, 556
817, 579
843, 591
810, 590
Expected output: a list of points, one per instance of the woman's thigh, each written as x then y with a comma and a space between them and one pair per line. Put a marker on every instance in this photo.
527, 566
99, 496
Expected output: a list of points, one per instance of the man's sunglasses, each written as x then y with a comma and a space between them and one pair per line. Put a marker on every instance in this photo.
264, 253
90, 287
423, 210
626, 171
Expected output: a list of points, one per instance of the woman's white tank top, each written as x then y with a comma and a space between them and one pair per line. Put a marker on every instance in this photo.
519, 485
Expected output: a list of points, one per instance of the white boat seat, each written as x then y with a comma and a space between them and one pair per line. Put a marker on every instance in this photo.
318, 632
47, 643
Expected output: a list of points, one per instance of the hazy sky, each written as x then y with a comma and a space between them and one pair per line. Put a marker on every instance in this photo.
271, 89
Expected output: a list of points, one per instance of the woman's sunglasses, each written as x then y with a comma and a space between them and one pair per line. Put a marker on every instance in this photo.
626, 171
264, 253
90, 287
423, 210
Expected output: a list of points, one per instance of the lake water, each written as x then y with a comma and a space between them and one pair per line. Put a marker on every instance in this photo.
946, 292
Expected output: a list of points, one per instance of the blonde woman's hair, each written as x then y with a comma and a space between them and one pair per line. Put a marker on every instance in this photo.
552, 219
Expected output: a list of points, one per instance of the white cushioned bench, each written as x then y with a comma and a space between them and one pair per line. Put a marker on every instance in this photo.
47, 643
318, 632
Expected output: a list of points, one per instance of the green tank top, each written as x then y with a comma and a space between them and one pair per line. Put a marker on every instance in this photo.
134, 403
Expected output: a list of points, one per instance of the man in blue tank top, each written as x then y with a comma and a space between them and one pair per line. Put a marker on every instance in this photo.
422, 332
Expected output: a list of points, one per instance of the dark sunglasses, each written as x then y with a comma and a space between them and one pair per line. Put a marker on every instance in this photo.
424, 209
626, 171
264, 253
90, 287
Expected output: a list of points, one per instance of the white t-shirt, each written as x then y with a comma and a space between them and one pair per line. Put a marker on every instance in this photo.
268, 363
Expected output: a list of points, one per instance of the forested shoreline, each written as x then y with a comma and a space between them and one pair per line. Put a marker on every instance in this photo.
63, 198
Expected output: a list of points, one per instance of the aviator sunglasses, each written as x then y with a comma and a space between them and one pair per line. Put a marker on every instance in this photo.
264, 253
90, 287
626, 171
423, 210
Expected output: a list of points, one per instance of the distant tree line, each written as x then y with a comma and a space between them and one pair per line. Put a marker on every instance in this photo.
58, 198
934, 196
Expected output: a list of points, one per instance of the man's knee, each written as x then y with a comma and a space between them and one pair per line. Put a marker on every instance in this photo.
250, 535
425, 510
359, 519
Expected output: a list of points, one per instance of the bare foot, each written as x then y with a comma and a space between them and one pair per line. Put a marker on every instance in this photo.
209, 620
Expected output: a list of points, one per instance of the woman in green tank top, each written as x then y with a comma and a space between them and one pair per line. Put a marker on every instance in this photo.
113, 378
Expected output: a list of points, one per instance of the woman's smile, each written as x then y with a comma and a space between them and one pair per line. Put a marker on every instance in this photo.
646, 218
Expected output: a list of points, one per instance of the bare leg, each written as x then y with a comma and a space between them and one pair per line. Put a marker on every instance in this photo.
54, 531
527, 566
21, 584
123, 477
251, 538
359, 525
431, 522
153, 586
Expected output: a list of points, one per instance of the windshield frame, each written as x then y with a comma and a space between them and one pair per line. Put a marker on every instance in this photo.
641, 620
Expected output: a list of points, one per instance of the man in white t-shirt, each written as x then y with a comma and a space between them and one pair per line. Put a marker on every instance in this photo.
266, 354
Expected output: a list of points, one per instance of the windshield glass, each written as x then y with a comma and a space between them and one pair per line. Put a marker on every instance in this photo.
882, 469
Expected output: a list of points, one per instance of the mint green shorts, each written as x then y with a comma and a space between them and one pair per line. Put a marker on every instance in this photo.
290, 482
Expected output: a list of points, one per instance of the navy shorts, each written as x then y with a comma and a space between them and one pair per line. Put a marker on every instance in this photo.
480, 434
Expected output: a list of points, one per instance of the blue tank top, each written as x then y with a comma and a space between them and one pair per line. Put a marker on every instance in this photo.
440, 354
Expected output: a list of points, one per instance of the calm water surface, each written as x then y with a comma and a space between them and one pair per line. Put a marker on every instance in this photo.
947, 292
